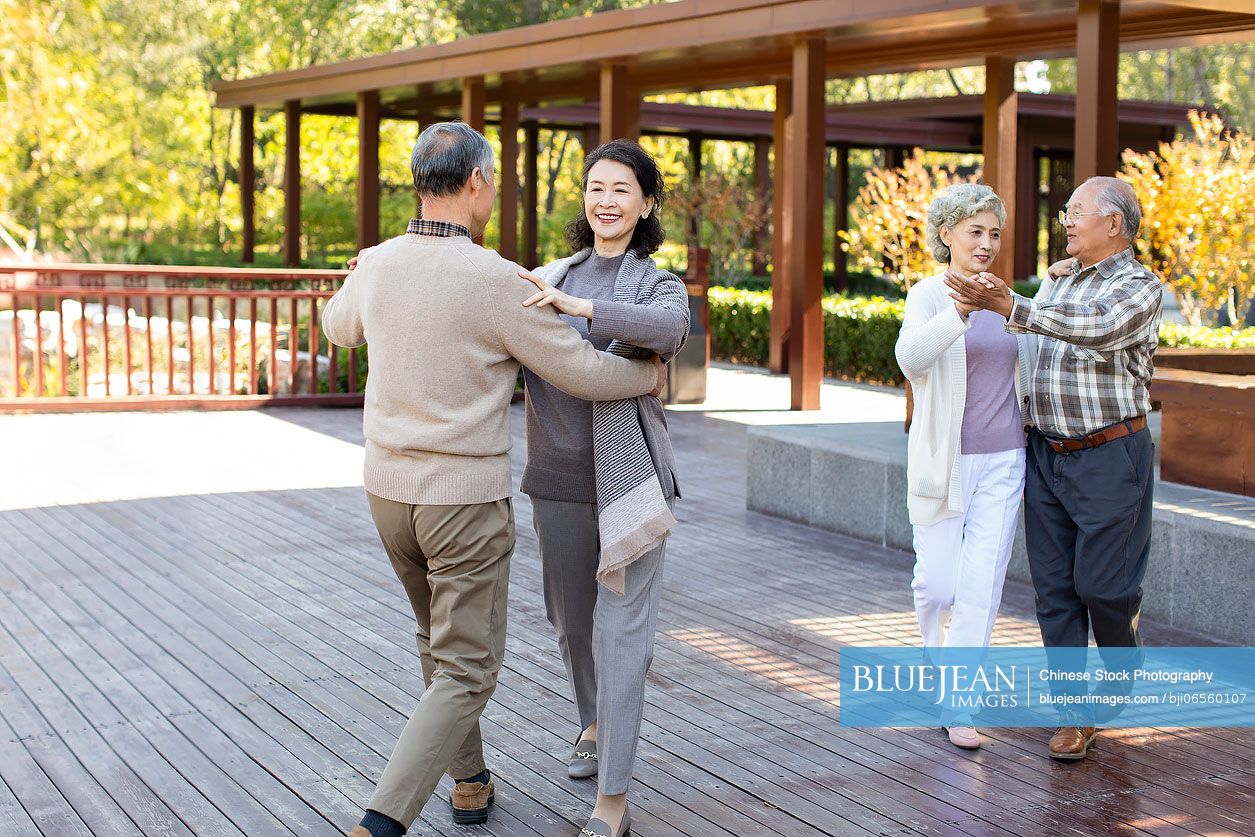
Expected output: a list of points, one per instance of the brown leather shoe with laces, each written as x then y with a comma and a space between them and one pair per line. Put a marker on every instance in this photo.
471, 801
1072, 743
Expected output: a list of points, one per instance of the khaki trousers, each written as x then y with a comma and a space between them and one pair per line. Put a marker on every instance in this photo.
454, 563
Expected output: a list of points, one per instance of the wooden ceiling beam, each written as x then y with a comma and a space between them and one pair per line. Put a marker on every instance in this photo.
902, 35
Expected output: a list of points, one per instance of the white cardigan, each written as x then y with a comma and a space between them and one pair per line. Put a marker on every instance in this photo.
933, 356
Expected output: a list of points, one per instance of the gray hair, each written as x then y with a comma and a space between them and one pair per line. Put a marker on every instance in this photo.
445, 155
1114, 195
955, 204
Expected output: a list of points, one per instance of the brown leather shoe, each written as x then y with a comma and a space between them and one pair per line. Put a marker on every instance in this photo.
471, 801
1072, 743
358, 831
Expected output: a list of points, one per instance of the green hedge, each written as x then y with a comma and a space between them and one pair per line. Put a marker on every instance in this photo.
740, 325
860, 332
1176, 336
862, 283
859, 335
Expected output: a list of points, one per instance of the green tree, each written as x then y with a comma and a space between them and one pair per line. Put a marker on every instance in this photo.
478, 16
1217, 77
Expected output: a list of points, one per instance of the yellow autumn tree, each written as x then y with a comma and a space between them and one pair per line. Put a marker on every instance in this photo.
1198, 209
889, 217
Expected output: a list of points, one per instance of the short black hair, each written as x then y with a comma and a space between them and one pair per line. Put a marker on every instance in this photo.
648, 235
445, 155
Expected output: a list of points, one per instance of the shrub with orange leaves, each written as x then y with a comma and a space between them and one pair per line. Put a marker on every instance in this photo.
889, 217
731, 215
1198, 211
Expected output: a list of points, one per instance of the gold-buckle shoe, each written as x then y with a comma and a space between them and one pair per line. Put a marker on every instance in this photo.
583, 763
598, 828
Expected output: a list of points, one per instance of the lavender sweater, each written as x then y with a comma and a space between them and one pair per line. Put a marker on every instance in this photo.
991, 417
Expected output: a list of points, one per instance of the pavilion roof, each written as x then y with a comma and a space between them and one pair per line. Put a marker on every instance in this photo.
704, 44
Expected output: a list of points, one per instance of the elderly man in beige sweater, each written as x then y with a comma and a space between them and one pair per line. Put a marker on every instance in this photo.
448, 331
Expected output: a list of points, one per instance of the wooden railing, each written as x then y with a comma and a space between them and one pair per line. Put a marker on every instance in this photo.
116, 337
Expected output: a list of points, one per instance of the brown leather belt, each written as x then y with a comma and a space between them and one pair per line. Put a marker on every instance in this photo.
1107, 434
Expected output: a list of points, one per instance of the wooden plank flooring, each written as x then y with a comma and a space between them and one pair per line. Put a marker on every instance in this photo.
240, 663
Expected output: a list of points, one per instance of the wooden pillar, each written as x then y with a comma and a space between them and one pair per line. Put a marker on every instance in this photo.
762, 192
1000, 140
509, 246
778, 344
892, 157
473, 114
806, 218
1027, 201
367, 169
1059, 185
620, 104
292, 184
248, 180
590, 138
473, 102
1097, 121
421, 119
421, 114
840, 215
531, 194
695, 176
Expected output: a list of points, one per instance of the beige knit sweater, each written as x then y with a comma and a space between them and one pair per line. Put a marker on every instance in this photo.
447, 332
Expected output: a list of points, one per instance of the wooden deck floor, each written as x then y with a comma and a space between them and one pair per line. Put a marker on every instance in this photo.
241, 662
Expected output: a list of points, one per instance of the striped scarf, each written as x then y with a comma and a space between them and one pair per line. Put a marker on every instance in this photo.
632, 515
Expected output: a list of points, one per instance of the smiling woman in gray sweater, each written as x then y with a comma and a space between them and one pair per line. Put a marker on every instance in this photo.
602, 475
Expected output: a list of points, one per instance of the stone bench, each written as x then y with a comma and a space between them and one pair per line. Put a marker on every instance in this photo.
851, 478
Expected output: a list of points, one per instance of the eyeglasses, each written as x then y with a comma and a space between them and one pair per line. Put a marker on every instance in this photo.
1070, 215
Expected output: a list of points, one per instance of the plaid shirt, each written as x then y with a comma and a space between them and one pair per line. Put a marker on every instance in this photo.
1099, 328
440, 229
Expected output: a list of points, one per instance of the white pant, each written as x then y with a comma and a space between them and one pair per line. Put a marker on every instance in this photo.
961, 562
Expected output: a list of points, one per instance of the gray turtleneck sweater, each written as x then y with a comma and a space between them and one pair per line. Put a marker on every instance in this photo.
560, 426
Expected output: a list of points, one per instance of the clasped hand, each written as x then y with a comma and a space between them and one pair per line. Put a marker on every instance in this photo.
980, 290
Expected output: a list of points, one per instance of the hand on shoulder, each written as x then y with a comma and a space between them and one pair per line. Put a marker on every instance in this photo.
547, 295
1061, 268
361, 254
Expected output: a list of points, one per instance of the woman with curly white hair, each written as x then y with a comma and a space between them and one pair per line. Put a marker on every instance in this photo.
965, 454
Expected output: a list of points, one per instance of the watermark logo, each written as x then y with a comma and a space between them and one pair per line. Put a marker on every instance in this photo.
1040, 687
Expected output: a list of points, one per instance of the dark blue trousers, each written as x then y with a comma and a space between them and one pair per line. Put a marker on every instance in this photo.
1087, 527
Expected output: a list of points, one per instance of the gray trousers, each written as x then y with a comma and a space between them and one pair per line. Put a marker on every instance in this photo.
607, 640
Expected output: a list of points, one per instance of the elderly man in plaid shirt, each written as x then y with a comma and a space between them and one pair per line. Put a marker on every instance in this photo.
1090, 456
